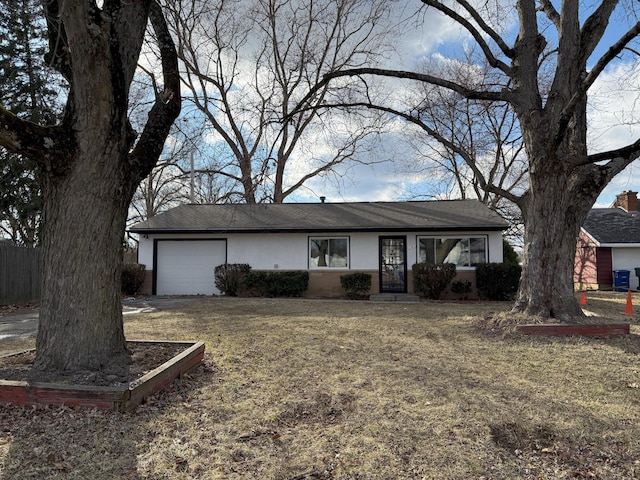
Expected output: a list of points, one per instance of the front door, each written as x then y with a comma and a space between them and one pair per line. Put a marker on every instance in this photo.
393, 264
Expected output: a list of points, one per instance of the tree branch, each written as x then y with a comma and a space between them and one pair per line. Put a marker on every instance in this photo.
611, 54
58, 54
168, 103
478, 37
446, 143
401, 74
43, 144
593, 28
627, 153
550, 11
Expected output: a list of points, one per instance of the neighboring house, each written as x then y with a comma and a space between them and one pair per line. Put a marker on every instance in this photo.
609, 241
181, 247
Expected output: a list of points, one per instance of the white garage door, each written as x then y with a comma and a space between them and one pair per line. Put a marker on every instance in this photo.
186, 267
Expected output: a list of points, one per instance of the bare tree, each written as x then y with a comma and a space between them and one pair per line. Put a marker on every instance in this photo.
162, 189
461, 132
565, 178
245, 64
91, 164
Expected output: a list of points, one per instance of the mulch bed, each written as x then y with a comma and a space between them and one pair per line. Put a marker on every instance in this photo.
507, 324
144, 358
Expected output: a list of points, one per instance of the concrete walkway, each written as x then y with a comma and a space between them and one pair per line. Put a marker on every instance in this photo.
26, 324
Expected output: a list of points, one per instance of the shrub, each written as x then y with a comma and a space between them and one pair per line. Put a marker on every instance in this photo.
276, 284
510, 256
431, 280
498, 281
287, 284
132, 278
229, 277
461, 287
356, 285
255, 284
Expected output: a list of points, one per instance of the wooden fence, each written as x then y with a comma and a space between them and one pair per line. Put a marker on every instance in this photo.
19, 274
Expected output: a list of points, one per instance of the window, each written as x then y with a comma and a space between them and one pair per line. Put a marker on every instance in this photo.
328, 252
461, 251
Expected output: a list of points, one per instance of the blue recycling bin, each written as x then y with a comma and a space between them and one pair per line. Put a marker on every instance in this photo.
621, 280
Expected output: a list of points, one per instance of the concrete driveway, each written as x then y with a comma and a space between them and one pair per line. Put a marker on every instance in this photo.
26, 324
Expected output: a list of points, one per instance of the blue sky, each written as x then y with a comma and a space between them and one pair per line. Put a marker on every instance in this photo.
614, 123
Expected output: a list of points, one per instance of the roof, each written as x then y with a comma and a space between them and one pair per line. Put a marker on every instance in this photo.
325, 217
613, 226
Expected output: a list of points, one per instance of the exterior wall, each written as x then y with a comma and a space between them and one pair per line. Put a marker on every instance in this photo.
147, 285
585, 270
290, 252
268, 251
594, 265
326, 284
469, 275
627, 259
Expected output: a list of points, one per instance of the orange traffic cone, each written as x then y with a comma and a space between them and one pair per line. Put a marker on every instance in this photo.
629, 309
583, 299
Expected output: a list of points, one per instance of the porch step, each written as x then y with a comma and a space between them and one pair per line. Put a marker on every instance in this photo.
394, 297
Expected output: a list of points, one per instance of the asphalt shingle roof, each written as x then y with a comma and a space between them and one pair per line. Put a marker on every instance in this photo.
325, 217
613, 225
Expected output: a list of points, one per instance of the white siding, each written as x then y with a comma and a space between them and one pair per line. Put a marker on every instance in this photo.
626, 259
269, 251
289, 251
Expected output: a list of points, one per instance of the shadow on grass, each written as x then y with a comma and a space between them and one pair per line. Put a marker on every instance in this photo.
82, 443
61, 442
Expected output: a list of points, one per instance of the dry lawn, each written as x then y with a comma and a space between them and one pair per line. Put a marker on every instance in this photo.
310, 389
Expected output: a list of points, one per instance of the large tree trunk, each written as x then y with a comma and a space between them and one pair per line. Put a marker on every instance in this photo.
552, 222
90, 169
561, 192
81, 324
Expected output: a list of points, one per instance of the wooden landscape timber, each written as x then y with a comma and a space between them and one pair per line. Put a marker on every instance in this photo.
118, 398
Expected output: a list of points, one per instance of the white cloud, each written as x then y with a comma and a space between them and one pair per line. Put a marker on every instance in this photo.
614, 121
614, 116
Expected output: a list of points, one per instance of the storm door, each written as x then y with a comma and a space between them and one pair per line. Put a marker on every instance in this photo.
393, 265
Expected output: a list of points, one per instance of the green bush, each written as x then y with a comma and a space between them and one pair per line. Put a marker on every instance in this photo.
255, 284
356, 285
498, 281
510, 256
229, 277
132, 278
287, 284
431, 280
461, 287
276, 284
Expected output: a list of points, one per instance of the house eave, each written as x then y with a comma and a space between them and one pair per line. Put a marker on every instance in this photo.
619, 245
158, 231
591, 238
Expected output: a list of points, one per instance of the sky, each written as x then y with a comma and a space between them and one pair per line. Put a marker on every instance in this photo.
613, 122
613, 118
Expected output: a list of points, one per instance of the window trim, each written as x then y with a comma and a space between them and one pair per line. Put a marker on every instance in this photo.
468, 237
310, 266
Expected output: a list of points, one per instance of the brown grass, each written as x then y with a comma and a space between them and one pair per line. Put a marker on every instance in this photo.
309, 389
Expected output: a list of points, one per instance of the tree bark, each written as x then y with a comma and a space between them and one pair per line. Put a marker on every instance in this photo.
90, 167
551, 224
81, 327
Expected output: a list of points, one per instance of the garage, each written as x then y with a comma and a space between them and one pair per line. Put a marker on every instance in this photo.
185, 267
